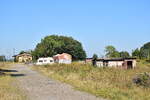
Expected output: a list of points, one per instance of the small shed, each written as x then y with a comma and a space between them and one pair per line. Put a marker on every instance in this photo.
64, 58
126, 63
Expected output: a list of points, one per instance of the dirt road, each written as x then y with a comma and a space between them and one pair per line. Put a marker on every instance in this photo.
39, 87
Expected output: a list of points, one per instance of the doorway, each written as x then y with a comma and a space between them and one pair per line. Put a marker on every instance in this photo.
129, 64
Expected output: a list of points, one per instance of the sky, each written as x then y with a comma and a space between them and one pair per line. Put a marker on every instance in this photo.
124, 24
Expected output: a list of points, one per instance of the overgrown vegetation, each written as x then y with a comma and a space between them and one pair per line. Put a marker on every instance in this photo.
8, 91
110, 83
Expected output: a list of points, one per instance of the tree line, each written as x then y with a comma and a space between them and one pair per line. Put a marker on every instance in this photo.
140, 53
143, 52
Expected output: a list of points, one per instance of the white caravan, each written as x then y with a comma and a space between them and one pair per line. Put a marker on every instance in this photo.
45, 61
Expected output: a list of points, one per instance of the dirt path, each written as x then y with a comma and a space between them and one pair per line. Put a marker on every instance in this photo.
39, 87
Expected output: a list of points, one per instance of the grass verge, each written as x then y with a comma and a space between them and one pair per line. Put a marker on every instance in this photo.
109, 83
8, 91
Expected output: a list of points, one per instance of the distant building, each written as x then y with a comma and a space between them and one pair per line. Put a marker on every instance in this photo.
25, 57
45, 61
63, 58
126, 63
88, 60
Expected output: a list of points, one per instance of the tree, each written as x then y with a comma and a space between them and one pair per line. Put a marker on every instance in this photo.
136, 53
54, 44
124, 54
145, 51
22, 52
2, 58
94, 59
111, 52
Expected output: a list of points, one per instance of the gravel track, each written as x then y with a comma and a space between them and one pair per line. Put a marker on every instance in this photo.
40, 87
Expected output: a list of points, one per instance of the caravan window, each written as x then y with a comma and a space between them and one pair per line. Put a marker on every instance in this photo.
45, 60
40, 60
51, 60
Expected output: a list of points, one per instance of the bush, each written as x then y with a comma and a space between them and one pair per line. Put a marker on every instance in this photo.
142, 79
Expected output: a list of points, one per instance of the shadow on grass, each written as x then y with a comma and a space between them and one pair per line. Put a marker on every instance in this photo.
9, 72
6, 70
17, 75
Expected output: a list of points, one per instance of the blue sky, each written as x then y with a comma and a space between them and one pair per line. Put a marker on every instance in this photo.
96, 23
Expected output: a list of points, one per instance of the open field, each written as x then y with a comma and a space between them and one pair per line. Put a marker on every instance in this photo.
110, 83
8, 90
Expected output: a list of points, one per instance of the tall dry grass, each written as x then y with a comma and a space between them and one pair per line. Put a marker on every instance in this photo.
9, 91
110, 83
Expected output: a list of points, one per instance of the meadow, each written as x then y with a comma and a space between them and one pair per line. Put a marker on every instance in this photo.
109, 83
9, 90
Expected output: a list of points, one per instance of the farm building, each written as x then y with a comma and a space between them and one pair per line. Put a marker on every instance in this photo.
25, 57
88, 60
63, 58
126, 63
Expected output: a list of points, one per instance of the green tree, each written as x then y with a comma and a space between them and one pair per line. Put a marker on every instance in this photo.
124, 54
136, 53
145, 51
2, 58
95, 57
111, 52
22, 52
54, 44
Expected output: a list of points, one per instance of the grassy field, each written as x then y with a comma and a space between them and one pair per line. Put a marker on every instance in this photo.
8, 91
110, 83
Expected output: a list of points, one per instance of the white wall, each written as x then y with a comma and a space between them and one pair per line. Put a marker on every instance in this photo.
115, 63
64, 61
110, 63
99, 63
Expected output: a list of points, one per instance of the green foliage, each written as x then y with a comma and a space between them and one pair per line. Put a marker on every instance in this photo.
136, 53
54, 44
2, 58
111, 52
142, 79
95, 57
124, 54
28, 52
145, 51
22, 52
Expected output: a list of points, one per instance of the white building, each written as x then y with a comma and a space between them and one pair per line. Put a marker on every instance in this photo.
126, 63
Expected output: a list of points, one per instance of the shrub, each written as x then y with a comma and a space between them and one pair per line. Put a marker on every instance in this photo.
142, 79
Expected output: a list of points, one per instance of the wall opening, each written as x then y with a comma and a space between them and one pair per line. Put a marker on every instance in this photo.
129, 64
